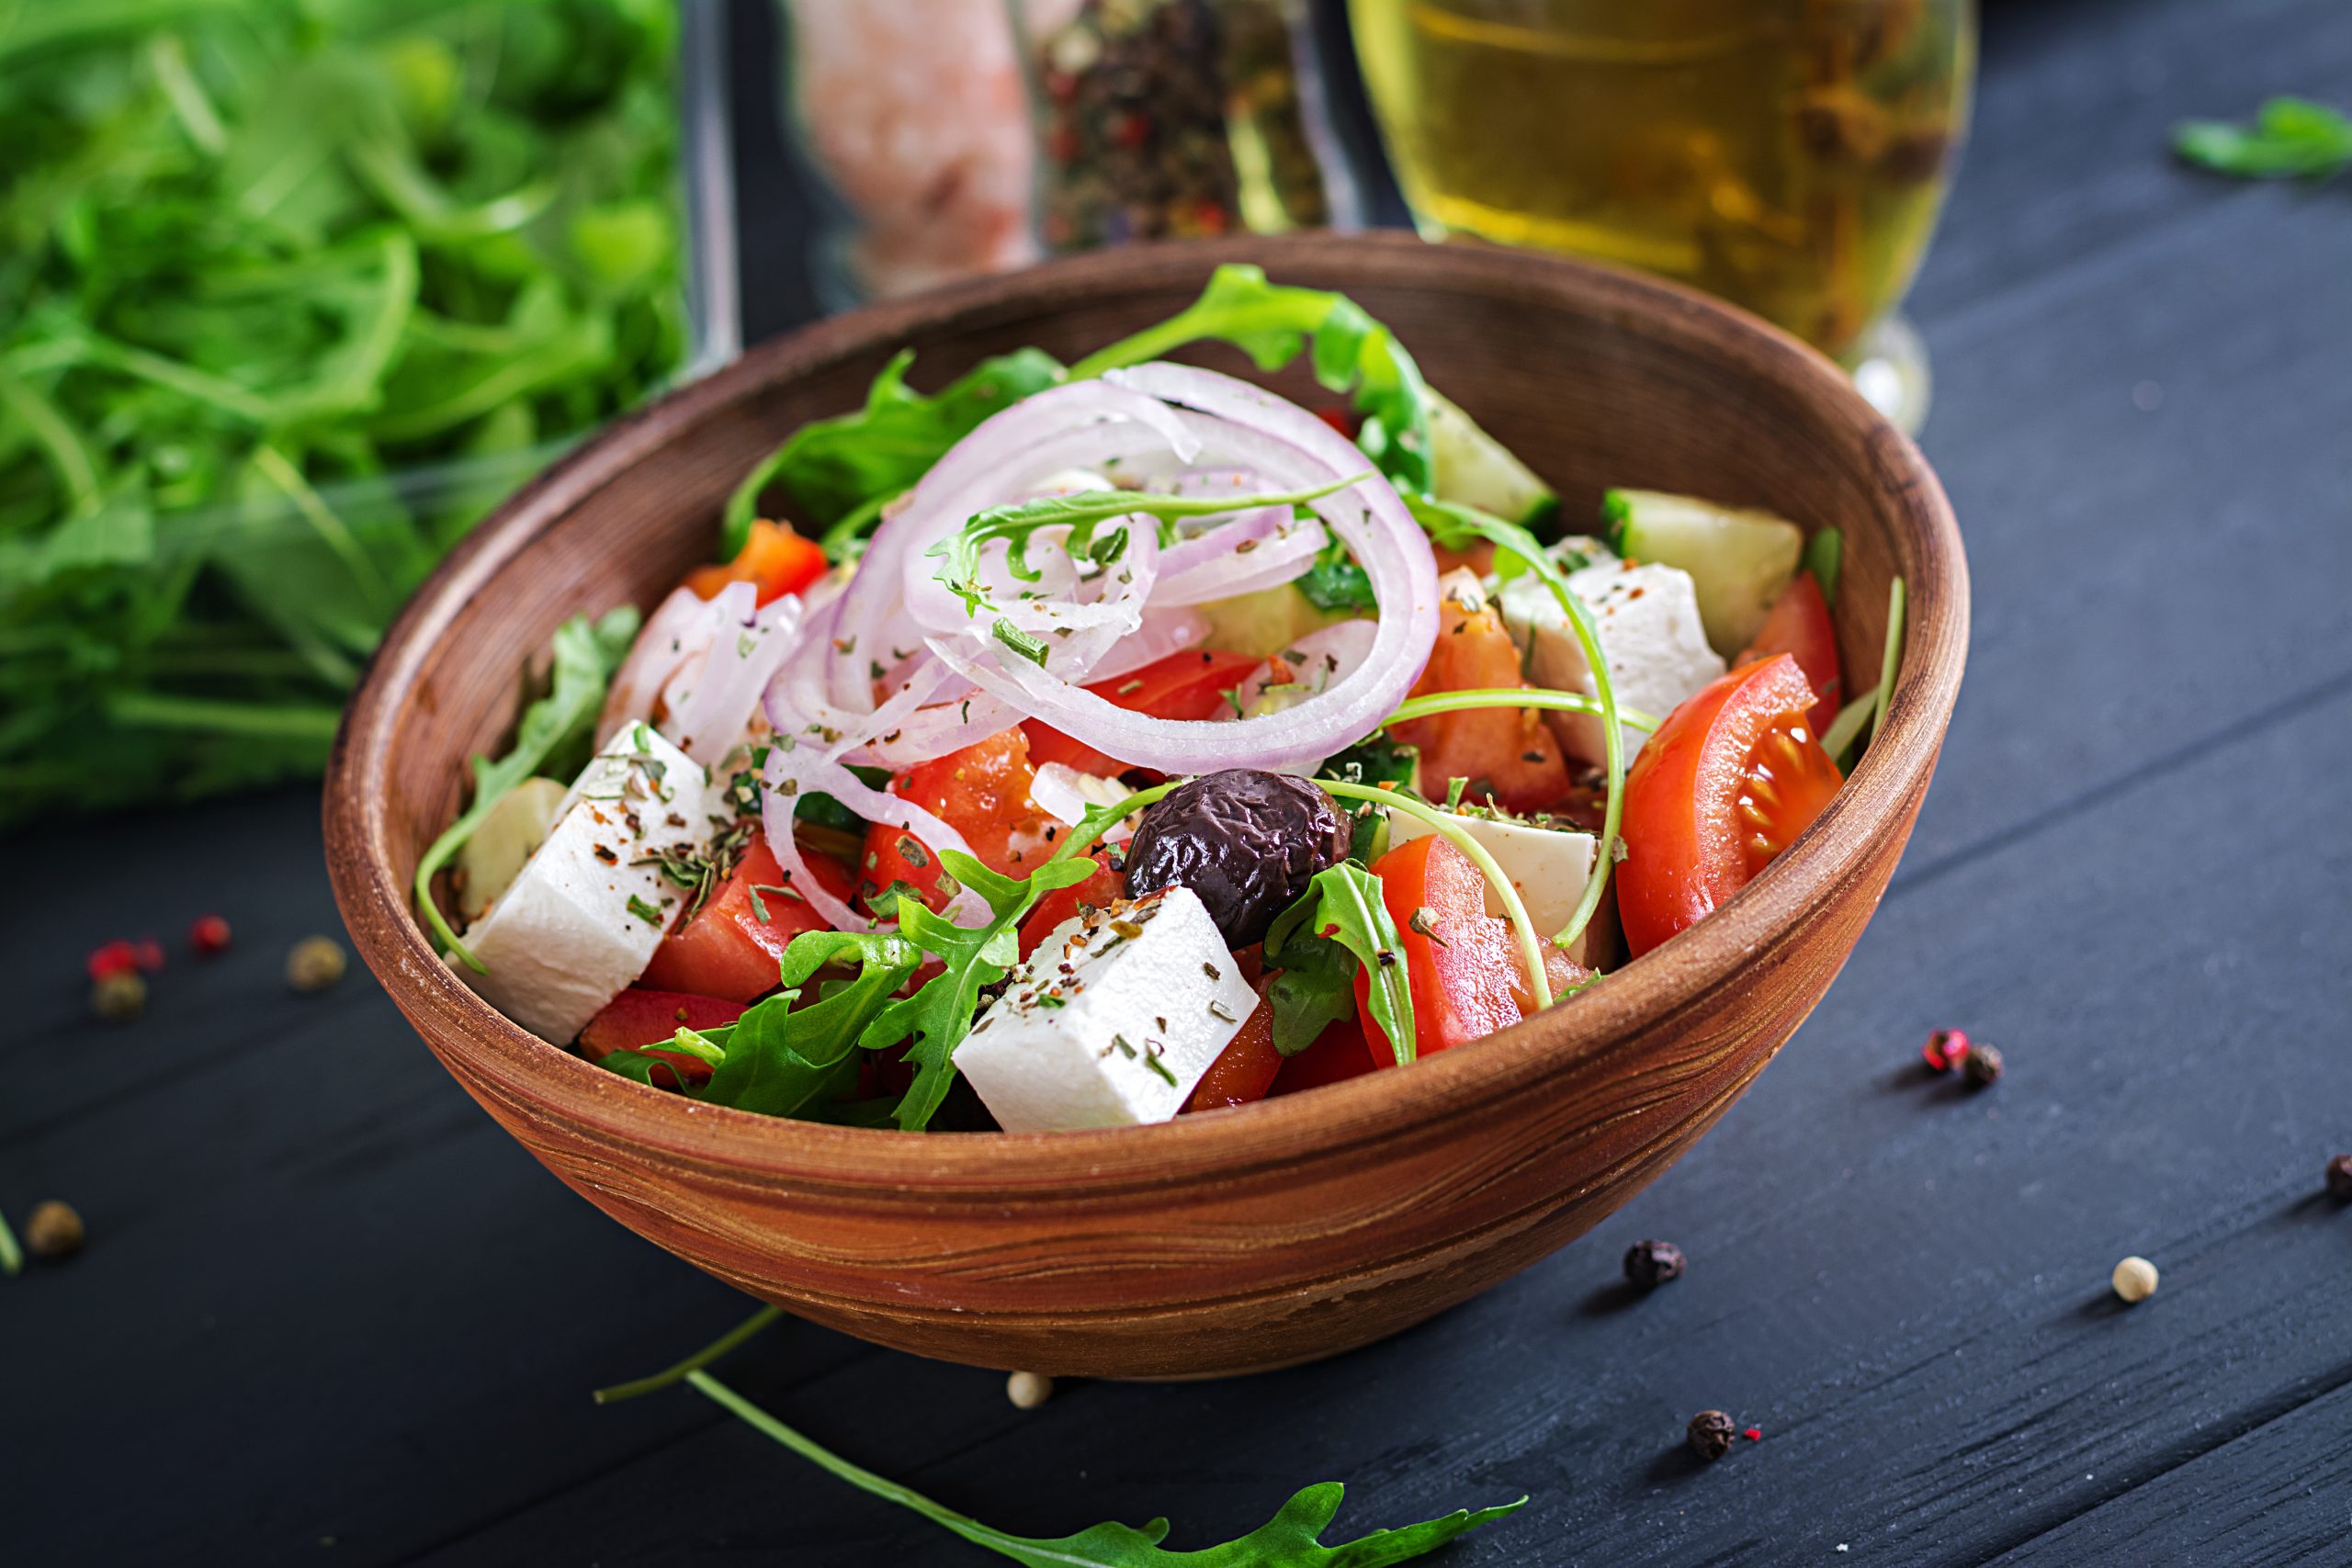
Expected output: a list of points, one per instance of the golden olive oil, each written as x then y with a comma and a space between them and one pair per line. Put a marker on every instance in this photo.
1789, 155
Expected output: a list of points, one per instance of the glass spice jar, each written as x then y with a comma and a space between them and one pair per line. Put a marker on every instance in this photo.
1172, 119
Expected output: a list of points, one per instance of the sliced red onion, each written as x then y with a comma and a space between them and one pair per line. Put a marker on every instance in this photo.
1064, 794
1307, 667
793, 770
1259, 549
679, 629
708, 718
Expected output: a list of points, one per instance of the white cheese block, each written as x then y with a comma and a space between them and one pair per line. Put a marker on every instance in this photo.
572, 932
1113, 1020
1547, 866
1646, 619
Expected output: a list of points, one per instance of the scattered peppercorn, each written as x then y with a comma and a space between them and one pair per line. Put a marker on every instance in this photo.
116, 957
2339, 1178
54, 1229
1650, 1264
1754, 1434
315, 964
1710, 1434
118, 995
2134, 1279
208, 935
1982, 1066
150, 953
1944, 1049
1028, 1390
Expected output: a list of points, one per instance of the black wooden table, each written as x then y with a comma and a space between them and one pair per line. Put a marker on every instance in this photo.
329, 1314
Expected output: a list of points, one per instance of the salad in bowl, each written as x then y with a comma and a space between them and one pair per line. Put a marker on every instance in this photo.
1090, 745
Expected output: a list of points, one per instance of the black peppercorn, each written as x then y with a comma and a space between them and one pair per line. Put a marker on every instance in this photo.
1710, 1434
2339, 1178
1982, 1066
1650, 1264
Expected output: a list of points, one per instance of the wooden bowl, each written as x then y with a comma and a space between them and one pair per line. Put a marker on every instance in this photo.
1241, 1239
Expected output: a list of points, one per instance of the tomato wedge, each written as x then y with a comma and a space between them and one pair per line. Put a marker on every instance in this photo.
1248, 1066
1506, 753
1191, 684
1461, 963
1730, 778
775, 559
728, 950
1799, 627
1050, 910
1337, 1054
982, 792
642, 1017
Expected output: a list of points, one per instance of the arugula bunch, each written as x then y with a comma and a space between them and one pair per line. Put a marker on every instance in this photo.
291, 291
1338, 926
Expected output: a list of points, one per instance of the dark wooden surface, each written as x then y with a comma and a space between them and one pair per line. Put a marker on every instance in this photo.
329, 1314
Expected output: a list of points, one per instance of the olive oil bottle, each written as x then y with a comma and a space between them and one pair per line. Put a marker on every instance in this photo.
1789, 155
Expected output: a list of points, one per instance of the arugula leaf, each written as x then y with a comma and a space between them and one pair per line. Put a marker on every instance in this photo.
1271, 322
1336, 582
838, 468
780, 1058
2291, 137
1317, 984
936, 1018
12, 1256
1374, 762
1349, 910
1292, 1539
1084, 512
555, 730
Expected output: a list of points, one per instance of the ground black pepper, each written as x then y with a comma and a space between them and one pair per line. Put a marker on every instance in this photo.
1710, 1434
2339, 1178
1650, 1264
1982, 1066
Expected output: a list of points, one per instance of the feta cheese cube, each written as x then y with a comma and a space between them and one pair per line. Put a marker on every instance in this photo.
1646, 619
1547, 866
1113, 1020
580, 922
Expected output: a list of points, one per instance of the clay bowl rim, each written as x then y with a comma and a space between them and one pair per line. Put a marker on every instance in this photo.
1822, 865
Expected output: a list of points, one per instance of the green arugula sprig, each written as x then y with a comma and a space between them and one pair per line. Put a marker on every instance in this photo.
2291, 138
1084, 512
12, 1256
1338, 926
841, 471
1271, 323
782, 1055
1456, 526
555, 733
1513, 697
1292, 1539
936, 1018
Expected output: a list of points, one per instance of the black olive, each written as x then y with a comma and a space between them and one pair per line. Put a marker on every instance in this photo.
1248, 842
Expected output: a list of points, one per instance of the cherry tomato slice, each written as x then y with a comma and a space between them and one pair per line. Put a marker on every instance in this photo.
1096, 892
640, 1016
1248, 1066
982, 792
1461, 963
1799, 626
1191, 684
726, 950
1730, 778
1337, 1054
1506, 753
774, 559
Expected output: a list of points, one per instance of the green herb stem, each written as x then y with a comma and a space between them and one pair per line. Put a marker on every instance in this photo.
1510, 697
1531, 946
1890, 658
12, 1256
694, 1363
